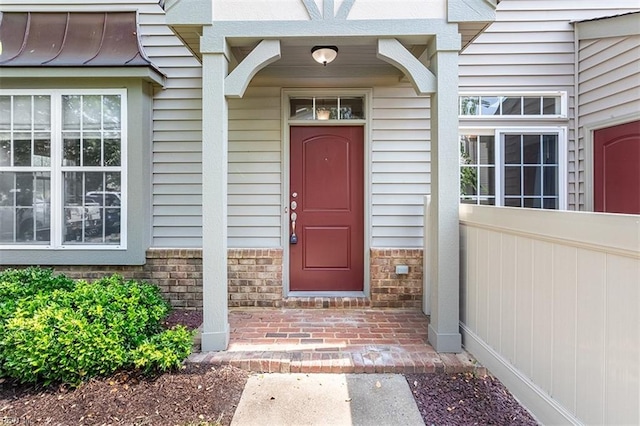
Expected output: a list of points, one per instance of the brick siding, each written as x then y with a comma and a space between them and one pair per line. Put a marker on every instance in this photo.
177, 272
389, 290
255, 278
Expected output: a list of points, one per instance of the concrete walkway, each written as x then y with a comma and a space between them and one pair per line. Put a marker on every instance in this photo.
327, 399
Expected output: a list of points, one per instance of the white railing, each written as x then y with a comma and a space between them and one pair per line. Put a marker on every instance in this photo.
550, 304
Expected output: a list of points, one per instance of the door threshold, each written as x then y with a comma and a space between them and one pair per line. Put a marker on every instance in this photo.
326, 300
326, 294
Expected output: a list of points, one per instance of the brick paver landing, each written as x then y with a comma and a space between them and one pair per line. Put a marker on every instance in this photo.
332, 341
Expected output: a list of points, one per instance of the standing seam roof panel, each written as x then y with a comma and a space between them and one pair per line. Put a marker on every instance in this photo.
106, 39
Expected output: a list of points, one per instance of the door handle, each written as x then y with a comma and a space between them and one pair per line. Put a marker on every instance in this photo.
294, 238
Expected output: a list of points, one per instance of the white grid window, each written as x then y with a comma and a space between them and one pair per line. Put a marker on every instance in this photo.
62, 158
525, 168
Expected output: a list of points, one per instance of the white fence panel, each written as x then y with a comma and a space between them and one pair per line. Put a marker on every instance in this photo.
550, 304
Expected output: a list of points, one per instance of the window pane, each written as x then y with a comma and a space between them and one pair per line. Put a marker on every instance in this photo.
7, 207
42, 110
112, 226
22, 149
551, 106
112, 112
512, 149
301, 108
490, 105
71, 113
550, 203
74, 212
352, 108
24, 207
42, 150
551, 180
550, 149
5, 149
468, 200
532, 203
487, 150
326, 109
512, 180
512, 202
5, 112
531, 149
512, 106
469, 105
112, 149
532, 105
112, 184
487, 181
468, 180
71, 149
468, 149
94, 181
91, 150
488, 201
91, 112
22, 113
532, 180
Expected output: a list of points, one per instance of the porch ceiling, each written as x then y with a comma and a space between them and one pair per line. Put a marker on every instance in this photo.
356, 61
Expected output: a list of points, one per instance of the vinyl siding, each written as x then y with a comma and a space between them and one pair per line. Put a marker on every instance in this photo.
608, 88
177, 136
530, 47
255, 169
400, 166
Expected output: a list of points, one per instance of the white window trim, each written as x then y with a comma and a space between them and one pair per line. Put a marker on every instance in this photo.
497, 132
56, 238
563, 105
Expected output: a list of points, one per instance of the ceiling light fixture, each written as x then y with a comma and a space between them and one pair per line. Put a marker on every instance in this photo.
324, 54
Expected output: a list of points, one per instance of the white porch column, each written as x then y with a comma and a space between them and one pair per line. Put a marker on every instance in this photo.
215, 326
444, 334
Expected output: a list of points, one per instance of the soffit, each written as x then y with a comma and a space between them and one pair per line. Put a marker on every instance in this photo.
357, 59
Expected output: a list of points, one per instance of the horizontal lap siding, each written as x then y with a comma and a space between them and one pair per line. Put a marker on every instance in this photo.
177, 137
255, 169
400, 166
608, 84
530, 47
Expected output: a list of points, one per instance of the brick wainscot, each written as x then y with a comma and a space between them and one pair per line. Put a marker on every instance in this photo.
255, 278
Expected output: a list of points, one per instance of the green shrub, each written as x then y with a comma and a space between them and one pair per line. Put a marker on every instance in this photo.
163, 351
53, 329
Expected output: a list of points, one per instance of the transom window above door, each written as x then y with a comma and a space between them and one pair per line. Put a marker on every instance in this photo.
327, 108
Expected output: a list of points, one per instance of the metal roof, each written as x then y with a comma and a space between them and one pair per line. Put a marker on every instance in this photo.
70, 39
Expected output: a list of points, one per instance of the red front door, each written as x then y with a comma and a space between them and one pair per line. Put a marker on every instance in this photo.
327, 191
617, 169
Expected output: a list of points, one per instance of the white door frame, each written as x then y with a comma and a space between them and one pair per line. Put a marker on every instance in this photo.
286, 176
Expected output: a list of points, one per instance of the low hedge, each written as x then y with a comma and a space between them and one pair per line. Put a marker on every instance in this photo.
54, 329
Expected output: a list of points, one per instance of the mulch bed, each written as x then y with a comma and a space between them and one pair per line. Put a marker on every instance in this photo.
193, 395
466, 399
200, 393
